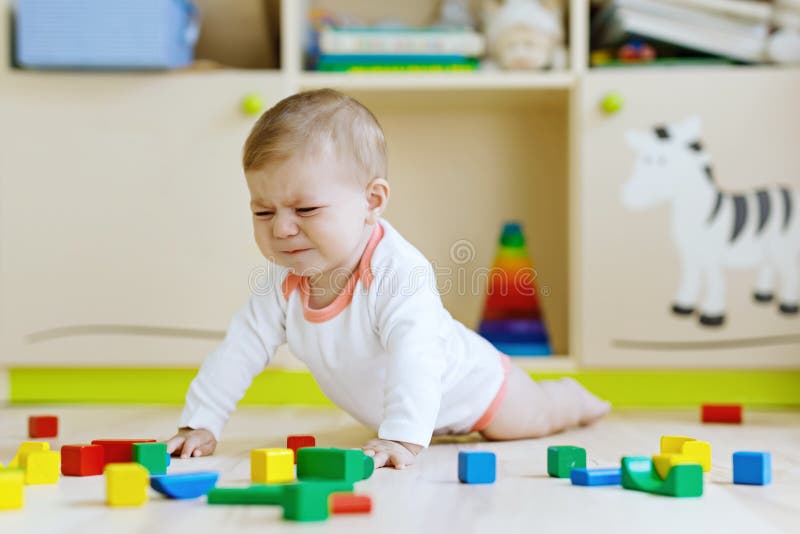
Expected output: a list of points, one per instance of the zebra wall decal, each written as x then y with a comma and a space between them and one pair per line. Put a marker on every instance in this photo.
714, 229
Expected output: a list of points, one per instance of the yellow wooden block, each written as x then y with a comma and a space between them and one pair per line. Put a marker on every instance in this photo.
28, 446
664, 462
11, 491
41, 467
699, 451
271, 466
673, 444
126, 484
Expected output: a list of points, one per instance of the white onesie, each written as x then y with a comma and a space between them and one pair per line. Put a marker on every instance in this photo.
386, 350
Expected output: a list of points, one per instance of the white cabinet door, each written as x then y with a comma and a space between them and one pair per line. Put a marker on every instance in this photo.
689, 207
125, 234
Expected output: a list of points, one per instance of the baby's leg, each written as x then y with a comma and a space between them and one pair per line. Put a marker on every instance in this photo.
533, 409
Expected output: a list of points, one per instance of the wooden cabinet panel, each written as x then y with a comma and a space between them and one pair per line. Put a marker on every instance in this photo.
701, 213
126, 232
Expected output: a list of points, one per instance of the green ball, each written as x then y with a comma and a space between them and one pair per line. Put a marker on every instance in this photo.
252, 104
612, 102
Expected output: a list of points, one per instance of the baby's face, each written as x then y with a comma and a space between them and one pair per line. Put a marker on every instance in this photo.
310, 213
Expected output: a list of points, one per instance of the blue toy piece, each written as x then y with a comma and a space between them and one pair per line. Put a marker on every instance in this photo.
185, 485
608, 476
476, 467
751, 467
169, 459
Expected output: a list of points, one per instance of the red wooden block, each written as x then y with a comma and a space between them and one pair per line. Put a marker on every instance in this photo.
82, 460
118, 450
722, 413
347, 503
42, 426
299, 441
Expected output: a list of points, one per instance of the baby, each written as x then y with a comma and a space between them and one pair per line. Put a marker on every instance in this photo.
358, 303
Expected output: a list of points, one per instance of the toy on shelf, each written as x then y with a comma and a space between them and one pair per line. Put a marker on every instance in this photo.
524, 34
477, 467
42, 426
721, 413
750, 467
512, 319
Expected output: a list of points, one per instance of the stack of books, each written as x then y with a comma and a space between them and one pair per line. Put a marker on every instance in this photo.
734, 29
377, 49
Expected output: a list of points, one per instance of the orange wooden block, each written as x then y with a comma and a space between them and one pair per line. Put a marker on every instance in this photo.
348, 503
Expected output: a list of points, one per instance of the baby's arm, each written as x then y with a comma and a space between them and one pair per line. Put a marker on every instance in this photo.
409, 316
254, 334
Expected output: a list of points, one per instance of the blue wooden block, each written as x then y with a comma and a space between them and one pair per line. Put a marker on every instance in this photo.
751, 467
610, 476
169, 459
185, 485
476, 467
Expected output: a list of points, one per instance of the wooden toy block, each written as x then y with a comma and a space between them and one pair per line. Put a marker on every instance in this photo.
126, 484
256, 494
12, 496
691, 450
348, 503
684, 480
308, 500
476, 467
295, 442
42, 426
673, 444
82, 460
41, 467
119, 451
662, 463
185, 485
271, 466
752, 467
561, 459
721, 413
580, 476
26, 447
153, 456
351, 465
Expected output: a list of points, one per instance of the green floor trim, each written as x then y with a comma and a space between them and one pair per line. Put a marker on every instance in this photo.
278, 387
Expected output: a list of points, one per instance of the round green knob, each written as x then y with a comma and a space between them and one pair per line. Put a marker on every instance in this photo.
252, 104
612, 102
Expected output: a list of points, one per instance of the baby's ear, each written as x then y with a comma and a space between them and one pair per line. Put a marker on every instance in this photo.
377, 198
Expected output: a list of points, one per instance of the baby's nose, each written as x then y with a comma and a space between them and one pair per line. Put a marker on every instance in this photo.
284, 226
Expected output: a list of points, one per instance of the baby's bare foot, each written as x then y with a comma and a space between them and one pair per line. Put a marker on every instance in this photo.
591, 407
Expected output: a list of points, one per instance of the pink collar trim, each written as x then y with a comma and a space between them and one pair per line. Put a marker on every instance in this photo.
363, 273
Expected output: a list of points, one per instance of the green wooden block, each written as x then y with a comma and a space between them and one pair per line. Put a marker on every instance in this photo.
308, 500
684, 480
562, 458
153, 456
350, 465
255, 494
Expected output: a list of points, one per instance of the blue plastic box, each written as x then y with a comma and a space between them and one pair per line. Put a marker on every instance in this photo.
106, 34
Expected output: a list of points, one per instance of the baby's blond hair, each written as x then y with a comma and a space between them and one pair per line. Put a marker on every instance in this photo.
310, 120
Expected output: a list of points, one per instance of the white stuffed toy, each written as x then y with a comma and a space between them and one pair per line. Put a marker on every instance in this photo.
524, 34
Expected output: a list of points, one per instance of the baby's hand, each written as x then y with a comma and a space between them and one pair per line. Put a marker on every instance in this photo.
387, 453
192, 442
